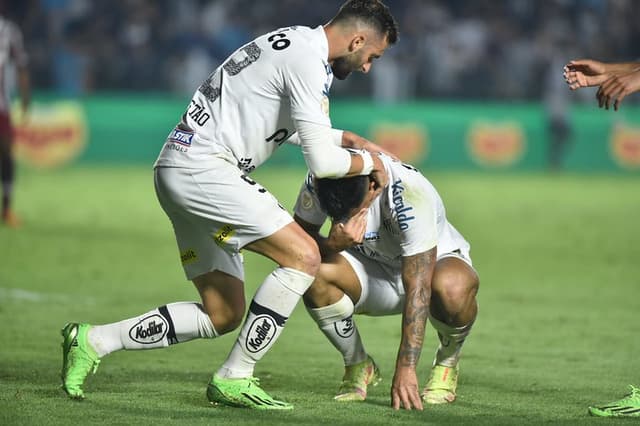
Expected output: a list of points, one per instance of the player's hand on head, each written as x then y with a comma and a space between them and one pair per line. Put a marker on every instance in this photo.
355, 226
377, 149
349, 233
405, 391
379, 174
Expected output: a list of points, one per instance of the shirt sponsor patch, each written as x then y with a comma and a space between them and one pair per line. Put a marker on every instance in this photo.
223, 234
181, 137
188, 256
371, 236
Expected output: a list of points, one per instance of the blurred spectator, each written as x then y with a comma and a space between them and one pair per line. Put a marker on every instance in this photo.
448, 48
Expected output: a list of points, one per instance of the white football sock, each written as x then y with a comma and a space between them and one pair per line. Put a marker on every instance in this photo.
451, 341
161, 327
270, 308
336, 322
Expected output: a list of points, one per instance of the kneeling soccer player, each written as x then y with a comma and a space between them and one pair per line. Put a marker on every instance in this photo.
390, 251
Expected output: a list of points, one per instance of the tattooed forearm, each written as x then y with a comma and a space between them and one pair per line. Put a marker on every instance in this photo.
417, 272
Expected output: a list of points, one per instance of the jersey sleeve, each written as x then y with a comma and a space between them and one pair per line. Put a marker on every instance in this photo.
307, 206
416, 214
306, 83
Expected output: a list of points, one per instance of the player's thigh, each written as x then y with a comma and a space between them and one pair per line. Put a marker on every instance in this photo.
290, 247
215, 213
335, 278
381, 290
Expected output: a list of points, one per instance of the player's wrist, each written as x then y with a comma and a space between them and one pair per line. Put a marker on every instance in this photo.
367, 163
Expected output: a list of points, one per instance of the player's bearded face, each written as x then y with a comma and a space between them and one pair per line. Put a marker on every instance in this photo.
345, 65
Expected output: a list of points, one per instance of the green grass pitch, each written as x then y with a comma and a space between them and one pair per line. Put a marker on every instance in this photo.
559, 262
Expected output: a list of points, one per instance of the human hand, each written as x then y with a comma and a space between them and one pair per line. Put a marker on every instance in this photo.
404, 390
379, 174
585, 73
352, 140
343, 235
617, 88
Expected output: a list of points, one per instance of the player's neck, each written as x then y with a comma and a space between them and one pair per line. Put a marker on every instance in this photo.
337, 40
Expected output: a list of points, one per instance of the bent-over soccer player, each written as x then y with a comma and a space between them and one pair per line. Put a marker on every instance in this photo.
390, 252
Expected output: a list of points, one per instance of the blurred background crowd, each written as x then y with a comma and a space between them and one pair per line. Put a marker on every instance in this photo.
471, 49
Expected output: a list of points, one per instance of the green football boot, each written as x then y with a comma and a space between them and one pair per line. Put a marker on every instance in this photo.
441, 386
242, 393
78, 359
356, 380
629, 406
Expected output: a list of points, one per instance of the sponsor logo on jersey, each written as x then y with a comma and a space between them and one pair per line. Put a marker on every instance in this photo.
261, 332
345, 327
402, 210
189, 256
625, 146
181, 137
223, 234
324, 105
151, 329
371, 236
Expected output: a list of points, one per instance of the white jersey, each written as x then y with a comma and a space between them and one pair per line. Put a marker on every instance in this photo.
12, 52
250, 104
406, 219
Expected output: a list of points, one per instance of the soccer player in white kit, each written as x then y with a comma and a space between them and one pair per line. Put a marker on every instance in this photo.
270, 91
12, 53
388, 253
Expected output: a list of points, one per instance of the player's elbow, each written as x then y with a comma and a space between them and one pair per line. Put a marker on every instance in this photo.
321, 172
329, 166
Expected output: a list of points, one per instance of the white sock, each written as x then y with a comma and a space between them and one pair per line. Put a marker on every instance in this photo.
451, 341
159, 328
336, 322
270, 308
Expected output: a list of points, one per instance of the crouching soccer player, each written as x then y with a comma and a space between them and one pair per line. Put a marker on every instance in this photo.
388, 252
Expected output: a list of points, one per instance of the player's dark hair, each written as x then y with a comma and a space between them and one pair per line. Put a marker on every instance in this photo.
338, 197
372, 12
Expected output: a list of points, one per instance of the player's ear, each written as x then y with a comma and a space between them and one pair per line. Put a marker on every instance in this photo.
357, 42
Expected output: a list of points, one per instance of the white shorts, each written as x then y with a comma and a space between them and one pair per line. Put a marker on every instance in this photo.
382, 292
215, 212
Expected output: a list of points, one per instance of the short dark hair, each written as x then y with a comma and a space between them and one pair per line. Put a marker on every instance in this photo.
374, 13
338, 197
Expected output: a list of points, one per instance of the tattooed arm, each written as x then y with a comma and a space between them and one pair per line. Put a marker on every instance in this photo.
417, 272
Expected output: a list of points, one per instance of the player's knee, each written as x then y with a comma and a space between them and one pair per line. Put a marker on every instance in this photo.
455, 286
227, 319
225, 325
308, 259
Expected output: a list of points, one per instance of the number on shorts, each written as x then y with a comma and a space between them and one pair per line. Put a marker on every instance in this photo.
252, 183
